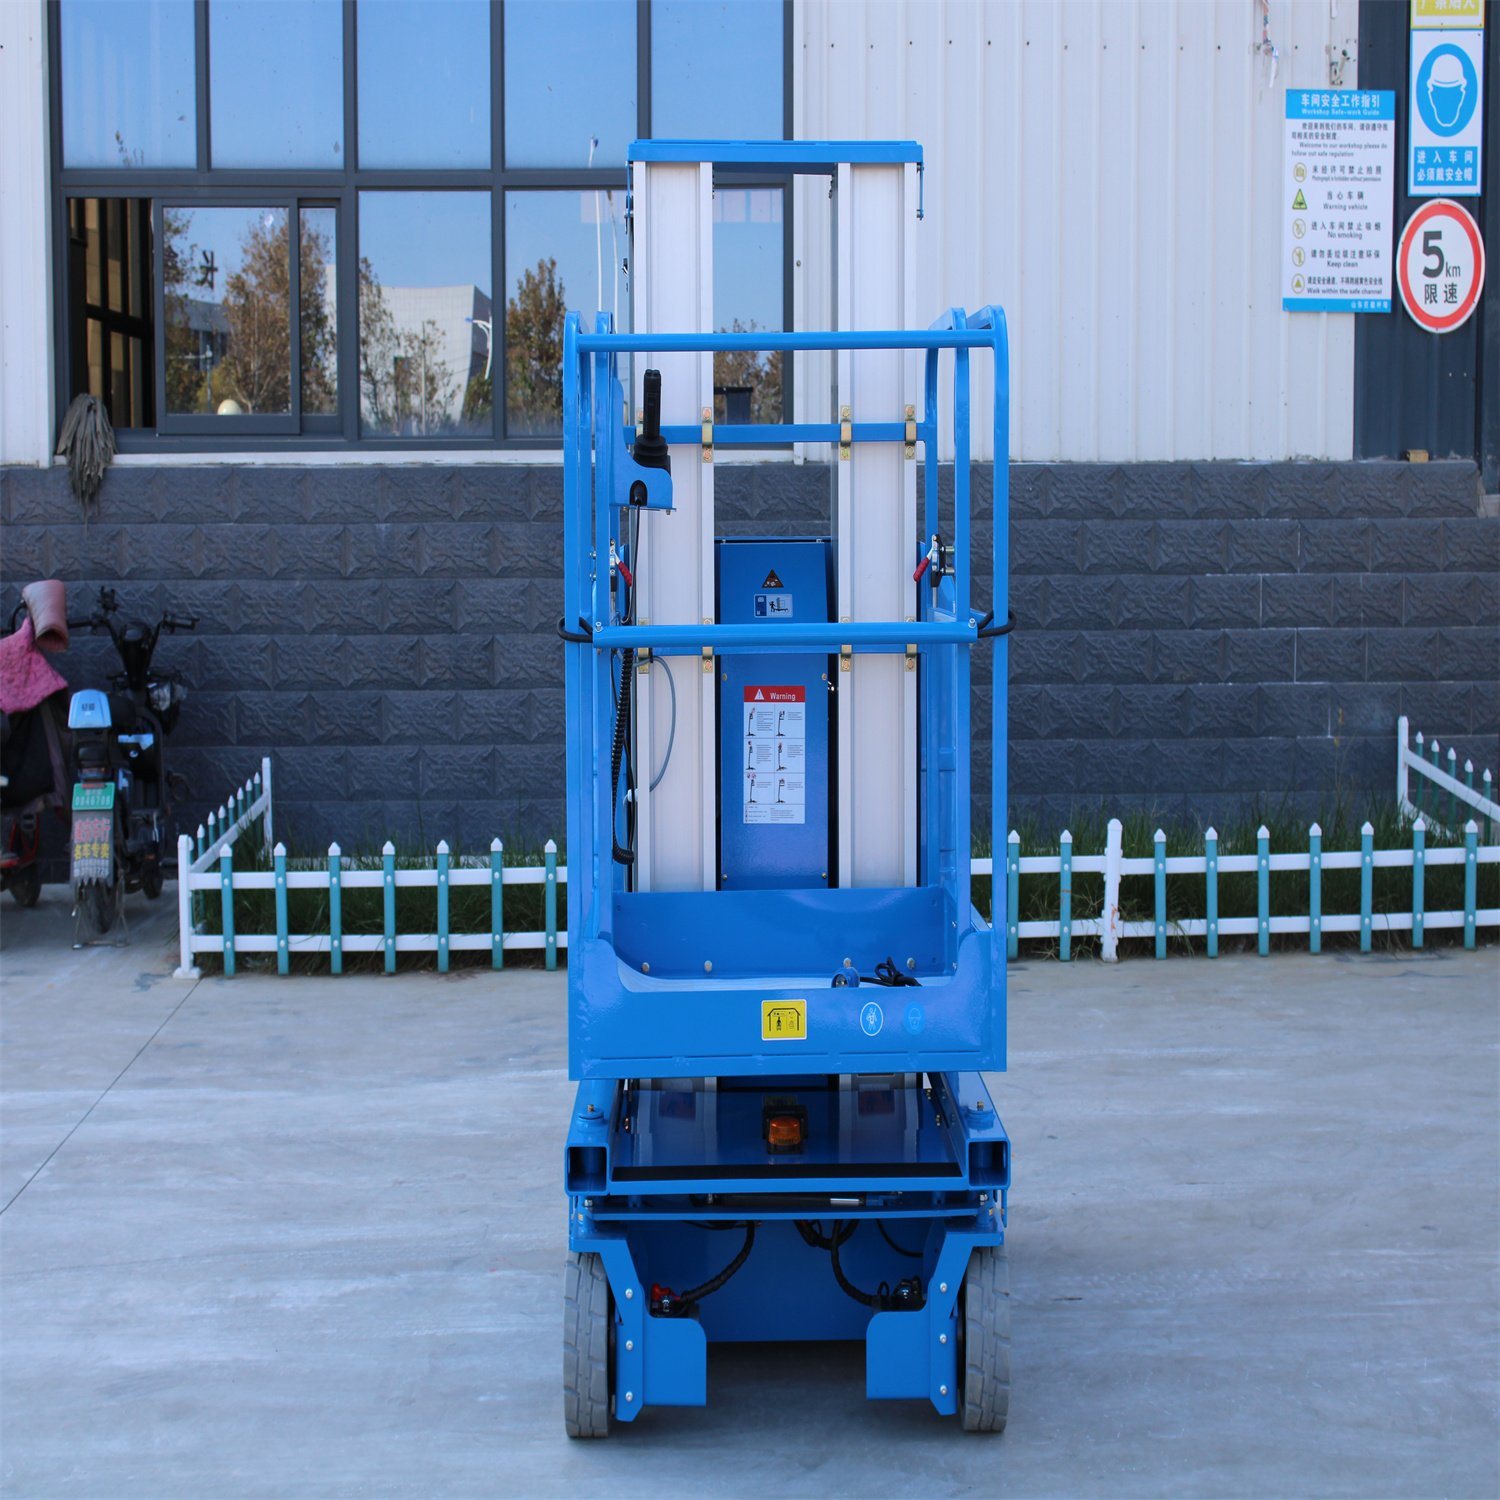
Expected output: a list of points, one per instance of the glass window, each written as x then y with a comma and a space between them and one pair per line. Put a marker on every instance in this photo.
563, 252
318, 320
716, 70
128, 83
227, 279
276, 83
569, 82
424, 314
749, 293
424, 84
109, 306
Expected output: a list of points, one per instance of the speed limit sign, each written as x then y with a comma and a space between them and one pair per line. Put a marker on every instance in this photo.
1440, 265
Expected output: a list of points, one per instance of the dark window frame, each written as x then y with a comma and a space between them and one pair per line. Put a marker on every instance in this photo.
113, 323
214, 187
194, 424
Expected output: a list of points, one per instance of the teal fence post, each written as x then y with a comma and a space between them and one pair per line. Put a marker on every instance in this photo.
283, 955
226, 899
1263, 889
1452, 795
1489, 796
1012, 894
388, 868
1211, 889
1366, 884
1065, 896
1433, 750
551, 852
335, 910
1469, 774
1159, 851
1471, 880
442, 906
1421, 781
497, 904
1314, 889
1418, 879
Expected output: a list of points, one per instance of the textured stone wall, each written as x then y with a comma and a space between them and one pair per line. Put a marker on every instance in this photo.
1191, 637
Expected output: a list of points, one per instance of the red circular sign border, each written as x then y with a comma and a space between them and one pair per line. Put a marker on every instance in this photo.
1420, 217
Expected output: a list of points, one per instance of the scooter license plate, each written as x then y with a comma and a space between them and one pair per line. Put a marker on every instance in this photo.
93, 798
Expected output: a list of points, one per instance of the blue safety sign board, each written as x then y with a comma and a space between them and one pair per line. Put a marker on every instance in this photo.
1445, 115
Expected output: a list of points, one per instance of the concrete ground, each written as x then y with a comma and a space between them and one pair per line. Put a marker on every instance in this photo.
304, 1238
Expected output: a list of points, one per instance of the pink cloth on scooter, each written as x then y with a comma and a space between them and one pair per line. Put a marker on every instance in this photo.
26, 676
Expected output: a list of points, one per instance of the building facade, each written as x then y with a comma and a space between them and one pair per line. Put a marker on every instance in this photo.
313, 257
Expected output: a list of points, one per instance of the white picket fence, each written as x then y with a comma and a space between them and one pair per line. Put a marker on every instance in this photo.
1434, 783
207, 870
1462, 801
1430, 795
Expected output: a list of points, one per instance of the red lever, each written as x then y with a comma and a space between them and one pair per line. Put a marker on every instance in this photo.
922, 567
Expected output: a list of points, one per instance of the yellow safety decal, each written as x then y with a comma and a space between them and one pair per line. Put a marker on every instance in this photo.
783, 1020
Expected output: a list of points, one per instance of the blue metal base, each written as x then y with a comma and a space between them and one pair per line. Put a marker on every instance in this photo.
663, 1176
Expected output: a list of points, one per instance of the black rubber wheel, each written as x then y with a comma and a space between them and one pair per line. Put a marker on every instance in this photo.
587, 1325
984, 1356
98, 905
25, 884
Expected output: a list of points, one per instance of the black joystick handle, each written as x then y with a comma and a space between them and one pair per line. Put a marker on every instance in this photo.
650, 449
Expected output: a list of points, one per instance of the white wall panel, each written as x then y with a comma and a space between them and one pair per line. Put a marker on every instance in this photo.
1110, 171
25, 270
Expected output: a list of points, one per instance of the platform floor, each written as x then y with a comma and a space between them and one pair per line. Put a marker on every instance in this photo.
304, 1238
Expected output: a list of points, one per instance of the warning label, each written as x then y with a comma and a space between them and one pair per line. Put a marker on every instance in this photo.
775, 754
783, 1020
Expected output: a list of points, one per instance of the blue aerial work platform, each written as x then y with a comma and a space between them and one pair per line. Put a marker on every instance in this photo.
781, 998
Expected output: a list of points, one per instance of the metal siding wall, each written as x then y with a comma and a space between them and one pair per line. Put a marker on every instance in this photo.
1109, 170
1416, 389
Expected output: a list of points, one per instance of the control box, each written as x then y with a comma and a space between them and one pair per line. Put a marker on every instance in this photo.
775, 719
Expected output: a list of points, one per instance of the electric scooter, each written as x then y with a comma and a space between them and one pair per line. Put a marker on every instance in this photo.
122, 790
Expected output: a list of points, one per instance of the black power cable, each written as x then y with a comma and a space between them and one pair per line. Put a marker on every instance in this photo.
905, 1295
621, 748
622, 854
672, 1305
886, 973
885, 1234
870, 1299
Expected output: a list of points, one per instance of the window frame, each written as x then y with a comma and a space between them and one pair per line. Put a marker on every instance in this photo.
205, 186
184, 424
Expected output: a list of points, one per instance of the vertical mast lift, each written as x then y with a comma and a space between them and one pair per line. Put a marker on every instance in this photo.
780, 995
